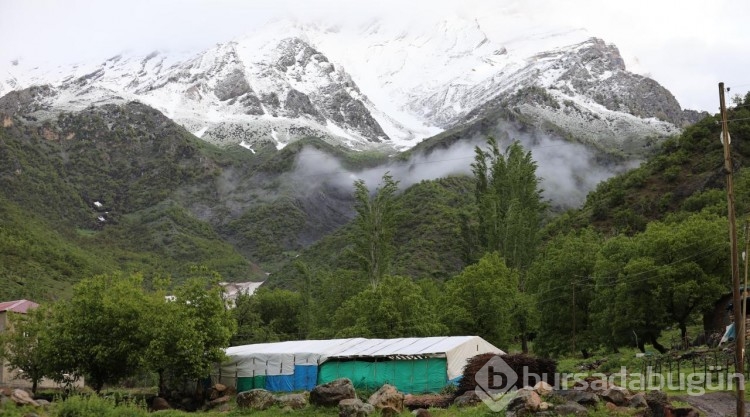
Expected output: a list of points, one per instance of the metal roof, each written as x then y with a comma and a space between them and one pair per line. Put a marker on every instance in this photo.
18, 306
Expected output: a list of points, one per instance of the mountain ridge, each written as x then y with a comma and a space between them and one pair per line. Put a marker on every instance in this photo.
376, 87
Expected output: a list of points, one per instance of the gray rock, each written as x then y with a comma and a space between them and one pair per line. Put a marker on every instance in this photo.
298, 103
330, 394
256, 399
525, 398
232, 85
293, 401
614, 395
579, 396
251, 104
638, 401
467, 399
21, 397
387, 397
421, 412
354, 407
219, 401
571, 408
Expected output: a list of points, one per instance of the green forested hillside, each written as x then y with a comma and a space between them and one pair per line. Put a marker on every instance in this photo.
685, 175
430, 241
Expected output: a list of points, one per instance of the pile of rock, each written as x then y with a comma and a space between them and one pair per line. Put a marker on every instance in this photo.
260, 399
20, 398
339, 393
544, 400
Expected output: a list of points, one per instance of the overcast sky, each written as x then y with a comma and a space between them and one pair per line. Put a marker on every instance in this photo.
686, 45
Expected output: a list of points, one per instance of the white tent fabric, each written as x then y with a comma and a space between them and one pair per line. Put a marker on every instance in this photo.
280, 358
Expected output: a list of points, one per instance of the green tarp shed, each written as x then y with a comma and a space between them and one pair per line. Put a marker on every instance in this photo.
413, 365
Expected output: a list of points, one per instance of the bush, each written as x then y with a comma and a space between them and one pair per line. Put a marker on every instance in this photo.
95, 406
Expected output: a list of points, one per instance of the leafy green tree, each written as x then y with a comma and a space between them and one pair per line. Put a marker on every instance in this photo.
187, 334
562, 280
250, 326
278, 312
100, 332
375, 227
666, 275
25, 345
481, 300
395, 308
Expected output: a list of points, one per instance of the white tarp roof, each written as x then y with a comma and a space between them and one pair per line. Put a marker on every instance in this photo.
280, 358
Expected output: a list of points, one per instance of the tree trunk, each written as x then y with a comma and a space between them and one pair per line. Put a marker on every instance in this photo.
683, 336
162, 388
524, 338
657, 345
585, 353
642, 345
34, 385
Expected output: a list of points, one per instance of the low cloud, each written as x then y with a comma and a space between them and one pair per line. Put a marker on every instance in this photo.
568, 171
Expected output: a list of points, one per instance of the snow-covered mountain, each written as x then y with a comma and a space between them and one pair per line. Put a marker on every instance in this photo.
374, 85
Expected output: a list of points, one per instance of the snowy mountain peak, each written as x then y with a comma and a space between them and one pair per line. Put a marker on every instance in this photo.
371, 84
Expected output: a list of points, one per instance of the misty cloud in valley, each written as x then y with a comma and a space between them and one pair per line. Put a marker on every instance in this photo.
568, 171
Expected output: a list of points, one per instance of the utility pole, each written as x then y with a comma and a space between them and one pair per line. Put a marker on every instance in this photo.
574, 317
739, 338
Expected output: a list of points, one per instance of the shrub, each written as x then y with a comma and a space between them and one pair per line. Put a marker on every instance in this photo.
95, 406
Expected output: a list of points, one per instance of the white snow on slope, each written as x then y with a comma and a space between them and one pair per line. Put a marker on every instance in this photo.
414, 80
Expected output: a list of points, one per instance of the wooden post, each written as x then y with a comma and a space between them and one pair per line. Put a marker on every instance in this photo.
738, 319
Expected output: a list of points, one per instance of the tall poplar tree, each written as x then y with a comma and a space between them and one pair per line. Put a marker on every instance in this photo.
375, 226
510, 212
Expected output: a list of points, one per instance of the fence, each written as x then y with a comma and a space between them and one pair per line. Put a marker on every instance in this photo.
712, 365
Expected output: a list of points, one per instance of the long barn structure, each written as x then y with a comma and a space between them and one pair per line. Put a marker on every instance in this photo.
413, 365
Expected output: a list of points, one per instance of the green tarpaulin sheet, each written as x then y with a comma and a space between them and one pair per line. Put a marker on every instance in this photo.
411, 376
250, 382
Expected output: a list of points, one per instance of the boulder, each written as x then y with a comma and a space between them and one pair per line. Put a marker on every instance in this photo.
525, 398
220, 387
293, 401
42, 402
21, 397
615, 409
159, 403
354, 407
387, 396
256, 399
615, 396
543, 388
425, 401
468, 399
593, 384
571, 408
544, 406
388, 412
219, 401
579, 396
421, 412
638, 401
330, 394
